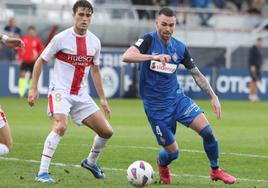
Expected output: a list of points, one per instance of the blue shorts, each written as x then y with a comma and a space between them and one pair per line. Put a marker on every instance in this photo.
163, 122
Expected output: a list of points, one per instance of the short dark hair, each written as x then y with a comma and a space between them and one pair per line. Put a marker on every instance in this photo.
31, 27
82, 3
167, 12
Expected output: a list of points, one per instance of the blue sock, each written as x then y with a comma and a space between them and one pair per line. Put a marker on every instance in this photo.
166, 158
211, 146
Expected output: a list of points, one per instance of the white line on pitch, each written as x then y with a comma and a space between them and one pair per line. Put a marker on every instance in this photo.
121, 170
158, 148
192, 151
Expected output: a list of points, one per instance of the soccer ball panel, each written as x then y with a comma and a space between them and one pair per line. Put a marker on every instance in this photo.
140, 173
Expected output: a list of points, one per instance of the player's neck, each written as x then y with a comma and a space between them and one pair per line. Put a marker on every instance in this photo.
80, 32
165, 42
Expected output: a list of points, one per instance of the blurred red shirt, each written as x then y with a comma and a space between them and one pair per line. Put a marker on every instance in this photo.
33, 48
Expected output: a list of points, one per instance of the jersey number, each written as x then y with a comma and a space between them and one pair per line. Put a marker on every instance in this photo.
158, 131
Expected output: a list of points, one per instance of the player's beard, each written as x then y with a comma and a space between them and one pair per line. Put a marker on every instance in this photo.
166, 36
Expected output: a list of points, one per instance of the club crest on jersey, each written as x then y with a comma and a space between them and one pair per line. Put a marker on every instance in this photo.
175, 57
91, 52
163, 67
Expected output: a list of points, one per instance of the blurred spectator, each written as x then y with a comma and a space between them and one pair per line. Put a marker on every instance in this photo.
220, 3
11, 30
143, 13
238, 4
255, 6
255, 63
160, 3
175, 3
27, 56
202, 4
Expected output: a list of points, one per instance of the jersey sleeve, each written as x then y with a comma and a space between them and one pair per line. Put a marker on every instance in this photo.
96, 59
188, 61
143, 43
52, 48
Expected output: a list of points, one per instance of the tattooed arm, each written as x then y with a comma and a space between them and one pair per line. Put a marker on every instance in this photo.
203, 83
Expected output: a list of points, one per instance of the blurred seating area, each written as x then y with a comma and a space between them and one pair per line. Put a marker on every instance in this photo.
219, 25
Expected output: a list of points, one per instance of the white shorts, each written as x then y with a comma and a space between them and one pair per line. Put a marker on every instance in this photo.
3, 119
78, 106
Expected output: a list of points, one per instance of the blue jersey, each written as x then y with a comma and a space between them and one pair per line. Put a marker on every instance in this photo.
159, 87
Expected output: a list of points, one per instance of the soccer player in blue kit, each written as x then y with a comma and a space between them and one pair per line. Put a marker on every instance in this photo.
159, 55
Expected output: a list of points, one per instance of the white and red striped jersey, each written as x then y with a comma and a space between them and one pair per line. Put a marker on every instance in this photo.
74, 55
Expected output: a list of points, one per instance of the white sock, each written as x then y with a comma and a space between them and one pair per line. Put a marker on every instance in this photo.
3, 149
98, 145
50, 146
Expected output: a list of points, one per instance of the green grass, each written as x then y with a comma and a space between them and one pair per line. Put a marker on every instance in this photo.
242, 130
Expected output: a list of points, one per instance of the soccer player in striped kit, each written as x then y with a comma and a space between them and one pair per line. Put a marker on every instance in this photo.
76, 52
5, 134
159, 56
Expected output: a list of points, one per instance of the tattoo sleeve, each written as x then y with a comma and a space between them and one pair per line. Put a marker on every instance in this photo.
202, 81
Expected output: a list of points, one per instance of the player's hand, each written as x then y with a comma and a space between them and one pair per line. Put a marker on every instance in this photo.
106, 108
163, 58
33, 97
14, 43
216, 105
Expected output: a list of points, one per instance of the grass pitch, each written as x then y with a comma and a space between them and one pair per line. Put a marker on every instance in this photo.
242, 135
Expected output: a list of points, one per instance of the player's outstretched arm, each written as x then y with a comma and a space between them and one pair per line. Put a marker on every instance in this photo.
11, 42
203, 83
133, 55
96, 77
33, 94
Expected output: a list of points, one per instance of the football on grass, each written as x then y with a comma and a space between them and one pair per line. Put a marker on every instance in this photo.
140, 173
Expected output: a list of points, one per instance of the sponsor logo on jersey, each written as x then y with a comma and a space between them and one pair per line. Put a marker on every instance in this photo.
79, 58
139, 42
163, 67
75, 60
192, 107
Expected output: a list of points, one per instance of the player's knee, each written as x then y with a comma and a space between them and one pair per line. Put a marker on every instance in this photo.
107, 133
207, 134
59, 125
60, 128
8, 142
